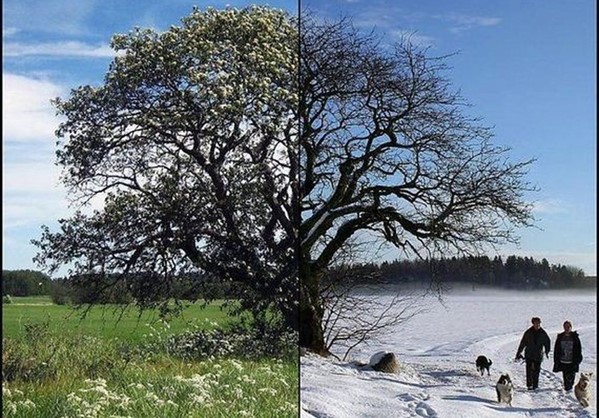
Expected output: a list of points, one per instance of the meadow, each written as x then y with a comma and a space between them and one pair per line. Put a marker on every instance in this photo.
107, 321
116, 363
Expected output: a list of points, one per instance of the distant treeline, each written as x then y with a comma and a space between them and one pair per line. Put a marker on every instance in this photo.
112, 288
513, 273
25, 283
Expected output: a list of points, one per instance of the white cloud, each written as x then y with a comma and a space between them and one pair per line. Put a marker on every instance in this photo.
413, 38
382, 16
31, 177
550, 206
58, 49
27, 113
7, 32
466, 22
51, 16
32, 211
31, 192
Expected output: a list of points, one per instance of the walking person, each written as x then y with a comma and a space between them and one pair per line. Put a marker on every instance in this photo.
534, 340
567, 355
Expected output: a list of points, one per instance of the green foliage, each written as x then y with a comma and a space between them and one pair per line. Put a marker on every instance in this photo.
25, 283
189, 141
30, 357
124, 290
516, 272
235, 342
60, 292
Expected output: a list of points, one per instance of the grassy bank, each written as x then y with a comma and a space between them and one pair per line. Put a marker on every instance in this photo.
57, 365
212, 388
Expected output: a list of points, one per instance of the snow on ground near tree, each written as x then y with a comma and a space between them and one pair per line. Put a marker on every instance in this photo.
438, 349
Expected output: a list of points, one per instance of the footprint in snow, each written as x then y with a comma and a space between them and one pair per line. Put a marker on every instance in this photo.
422, 409
425, 410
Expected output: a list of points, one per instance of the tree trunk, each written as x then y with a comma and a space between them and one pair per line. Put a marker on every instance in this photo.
311, 333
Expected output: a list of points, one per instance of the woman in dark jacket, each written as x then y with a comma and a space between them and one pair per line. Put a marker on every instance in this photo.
567, 355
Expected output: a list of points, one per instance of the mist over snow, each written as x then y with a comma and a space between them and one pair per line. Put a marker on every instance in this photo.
437, 350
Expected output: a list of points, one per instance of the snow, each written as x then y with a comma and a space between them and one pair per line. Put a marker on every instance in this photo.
438, 349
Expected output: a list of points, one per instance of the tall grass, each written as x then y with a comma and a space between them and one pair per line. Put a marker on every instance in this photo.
211, 388
53, 371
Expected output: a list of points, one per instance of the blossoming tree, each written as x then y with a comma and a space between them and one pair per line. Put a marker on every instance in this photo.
190, 146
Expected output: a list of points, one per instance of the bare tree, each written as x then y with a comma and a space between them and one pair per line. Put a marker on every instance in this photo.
387, 148
364, 308
359, 304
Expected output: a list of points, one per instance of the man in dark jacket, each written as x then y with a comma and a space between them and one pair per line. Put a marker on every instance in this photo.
567, 355
533, 341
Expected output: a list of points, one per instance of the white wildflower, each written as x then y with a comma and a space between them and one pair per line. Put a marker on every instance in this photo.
246, 379
152, 397
11, 407
236, 364
198, 398
270, 391
99, 381
27, 403
288, 407
124, 401
71, 397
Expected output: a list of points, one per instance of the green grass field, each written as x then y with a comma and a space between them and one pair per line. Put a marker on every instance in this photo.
108, 321
56, 364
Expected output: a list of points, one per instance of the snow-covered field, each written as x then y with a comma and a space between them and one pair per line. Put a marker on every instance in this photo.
438, 349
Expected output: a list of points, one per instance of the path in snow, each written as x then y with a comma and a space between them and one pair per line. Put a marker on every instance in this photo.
439, 378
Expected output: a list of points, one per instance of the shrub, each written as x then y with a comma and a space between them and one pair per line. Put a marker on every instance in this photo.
60, 292
236, 342
20, 363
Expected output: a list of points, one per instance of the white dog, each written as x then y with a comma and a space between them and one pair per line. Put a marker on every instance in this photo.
582, 390
505, 389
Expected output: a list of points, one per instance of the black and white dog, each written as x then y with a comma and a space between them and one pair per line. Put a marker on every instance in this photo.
482, 364
505, 389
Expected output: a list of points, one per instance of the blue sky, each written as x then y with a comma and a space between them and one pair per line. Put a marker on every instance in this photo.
50, 47
528, 67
